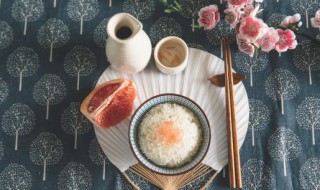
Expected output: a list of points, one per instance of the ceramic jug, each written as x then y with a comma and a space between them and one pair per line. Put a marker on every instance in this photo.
128, 47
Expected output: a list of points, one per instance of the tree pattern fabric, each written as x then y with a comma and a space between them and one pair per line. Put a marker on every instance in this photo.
52, 52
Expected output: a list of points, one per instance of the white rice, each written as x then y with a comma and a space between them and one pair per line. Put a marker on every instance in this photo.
170, 155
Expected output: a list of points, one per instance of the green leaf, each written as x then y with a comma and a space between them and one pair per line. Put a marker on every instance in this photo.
176, 7
177, 4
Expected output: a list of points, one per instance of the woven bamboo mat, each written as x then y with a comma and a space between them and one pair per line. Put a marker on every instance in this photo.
173, 182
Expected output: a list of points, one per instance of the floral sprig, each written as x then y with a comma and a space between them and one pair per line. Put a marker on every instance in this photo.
252, 33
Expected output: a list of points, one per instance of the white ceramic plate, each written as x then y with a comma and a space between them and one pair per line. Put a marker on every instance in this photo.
192, 83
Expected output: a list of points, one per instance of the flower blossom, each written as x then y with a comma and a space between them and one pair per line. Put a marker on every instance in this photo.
287, 40
268, 40
232, 16
209, 16
288, 21
315, 21
250, 10
251, 28
247, 10
245, 46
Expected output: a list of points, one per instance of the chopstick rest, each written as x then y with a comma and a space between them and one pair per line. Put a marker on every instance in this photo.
219, 80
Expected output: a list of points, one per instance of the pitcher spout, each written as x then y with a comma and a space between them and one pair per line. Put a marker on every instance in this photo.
123, 27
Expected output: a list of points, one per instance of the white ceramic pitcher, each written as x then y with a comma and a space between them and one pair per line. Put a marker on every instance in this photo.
128, 47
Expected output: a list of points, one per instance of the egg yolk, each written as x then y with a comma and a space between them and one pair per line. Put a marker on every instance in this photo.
169, 134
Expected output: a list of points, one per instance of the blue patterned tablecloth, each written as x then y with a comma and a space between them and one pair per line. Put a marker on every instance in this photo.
45, 143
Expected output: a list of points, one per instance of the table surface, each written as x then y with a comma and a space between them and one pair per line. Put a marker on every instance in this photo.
280, 150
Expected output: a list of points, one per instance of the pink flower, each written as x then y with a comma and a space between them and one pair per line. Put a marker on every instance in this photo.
287, 40
268, 40
239, 3
251, 28
288, 21
232, 16
247, 10
250, 10
209, 16
315, 21
245, 46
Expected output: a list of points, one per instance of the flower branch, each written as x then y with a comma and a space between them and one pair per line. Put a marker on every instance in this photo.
253, 33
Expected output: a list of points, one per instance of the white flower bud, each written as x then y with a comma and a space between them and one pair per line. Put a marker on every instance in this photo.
286, 21
295, 18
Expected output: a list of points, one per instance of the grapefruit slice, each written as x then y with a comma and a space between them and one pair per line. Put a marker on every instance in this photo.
110, 103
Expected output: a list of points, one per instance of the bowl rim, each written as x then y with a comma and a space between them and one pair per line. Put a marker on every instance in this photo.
193, 102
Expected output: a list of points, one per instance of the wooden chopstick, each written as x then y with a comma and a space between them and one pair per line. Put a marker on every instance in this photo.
229, 121
234, 124
234, 158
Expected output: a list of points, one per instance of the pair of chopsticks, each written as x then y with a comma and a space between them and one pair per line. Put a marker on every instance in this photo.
233, 150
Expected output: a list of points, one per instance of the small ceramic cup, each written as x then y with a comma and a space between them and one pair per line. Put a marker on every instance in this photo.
171, 55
